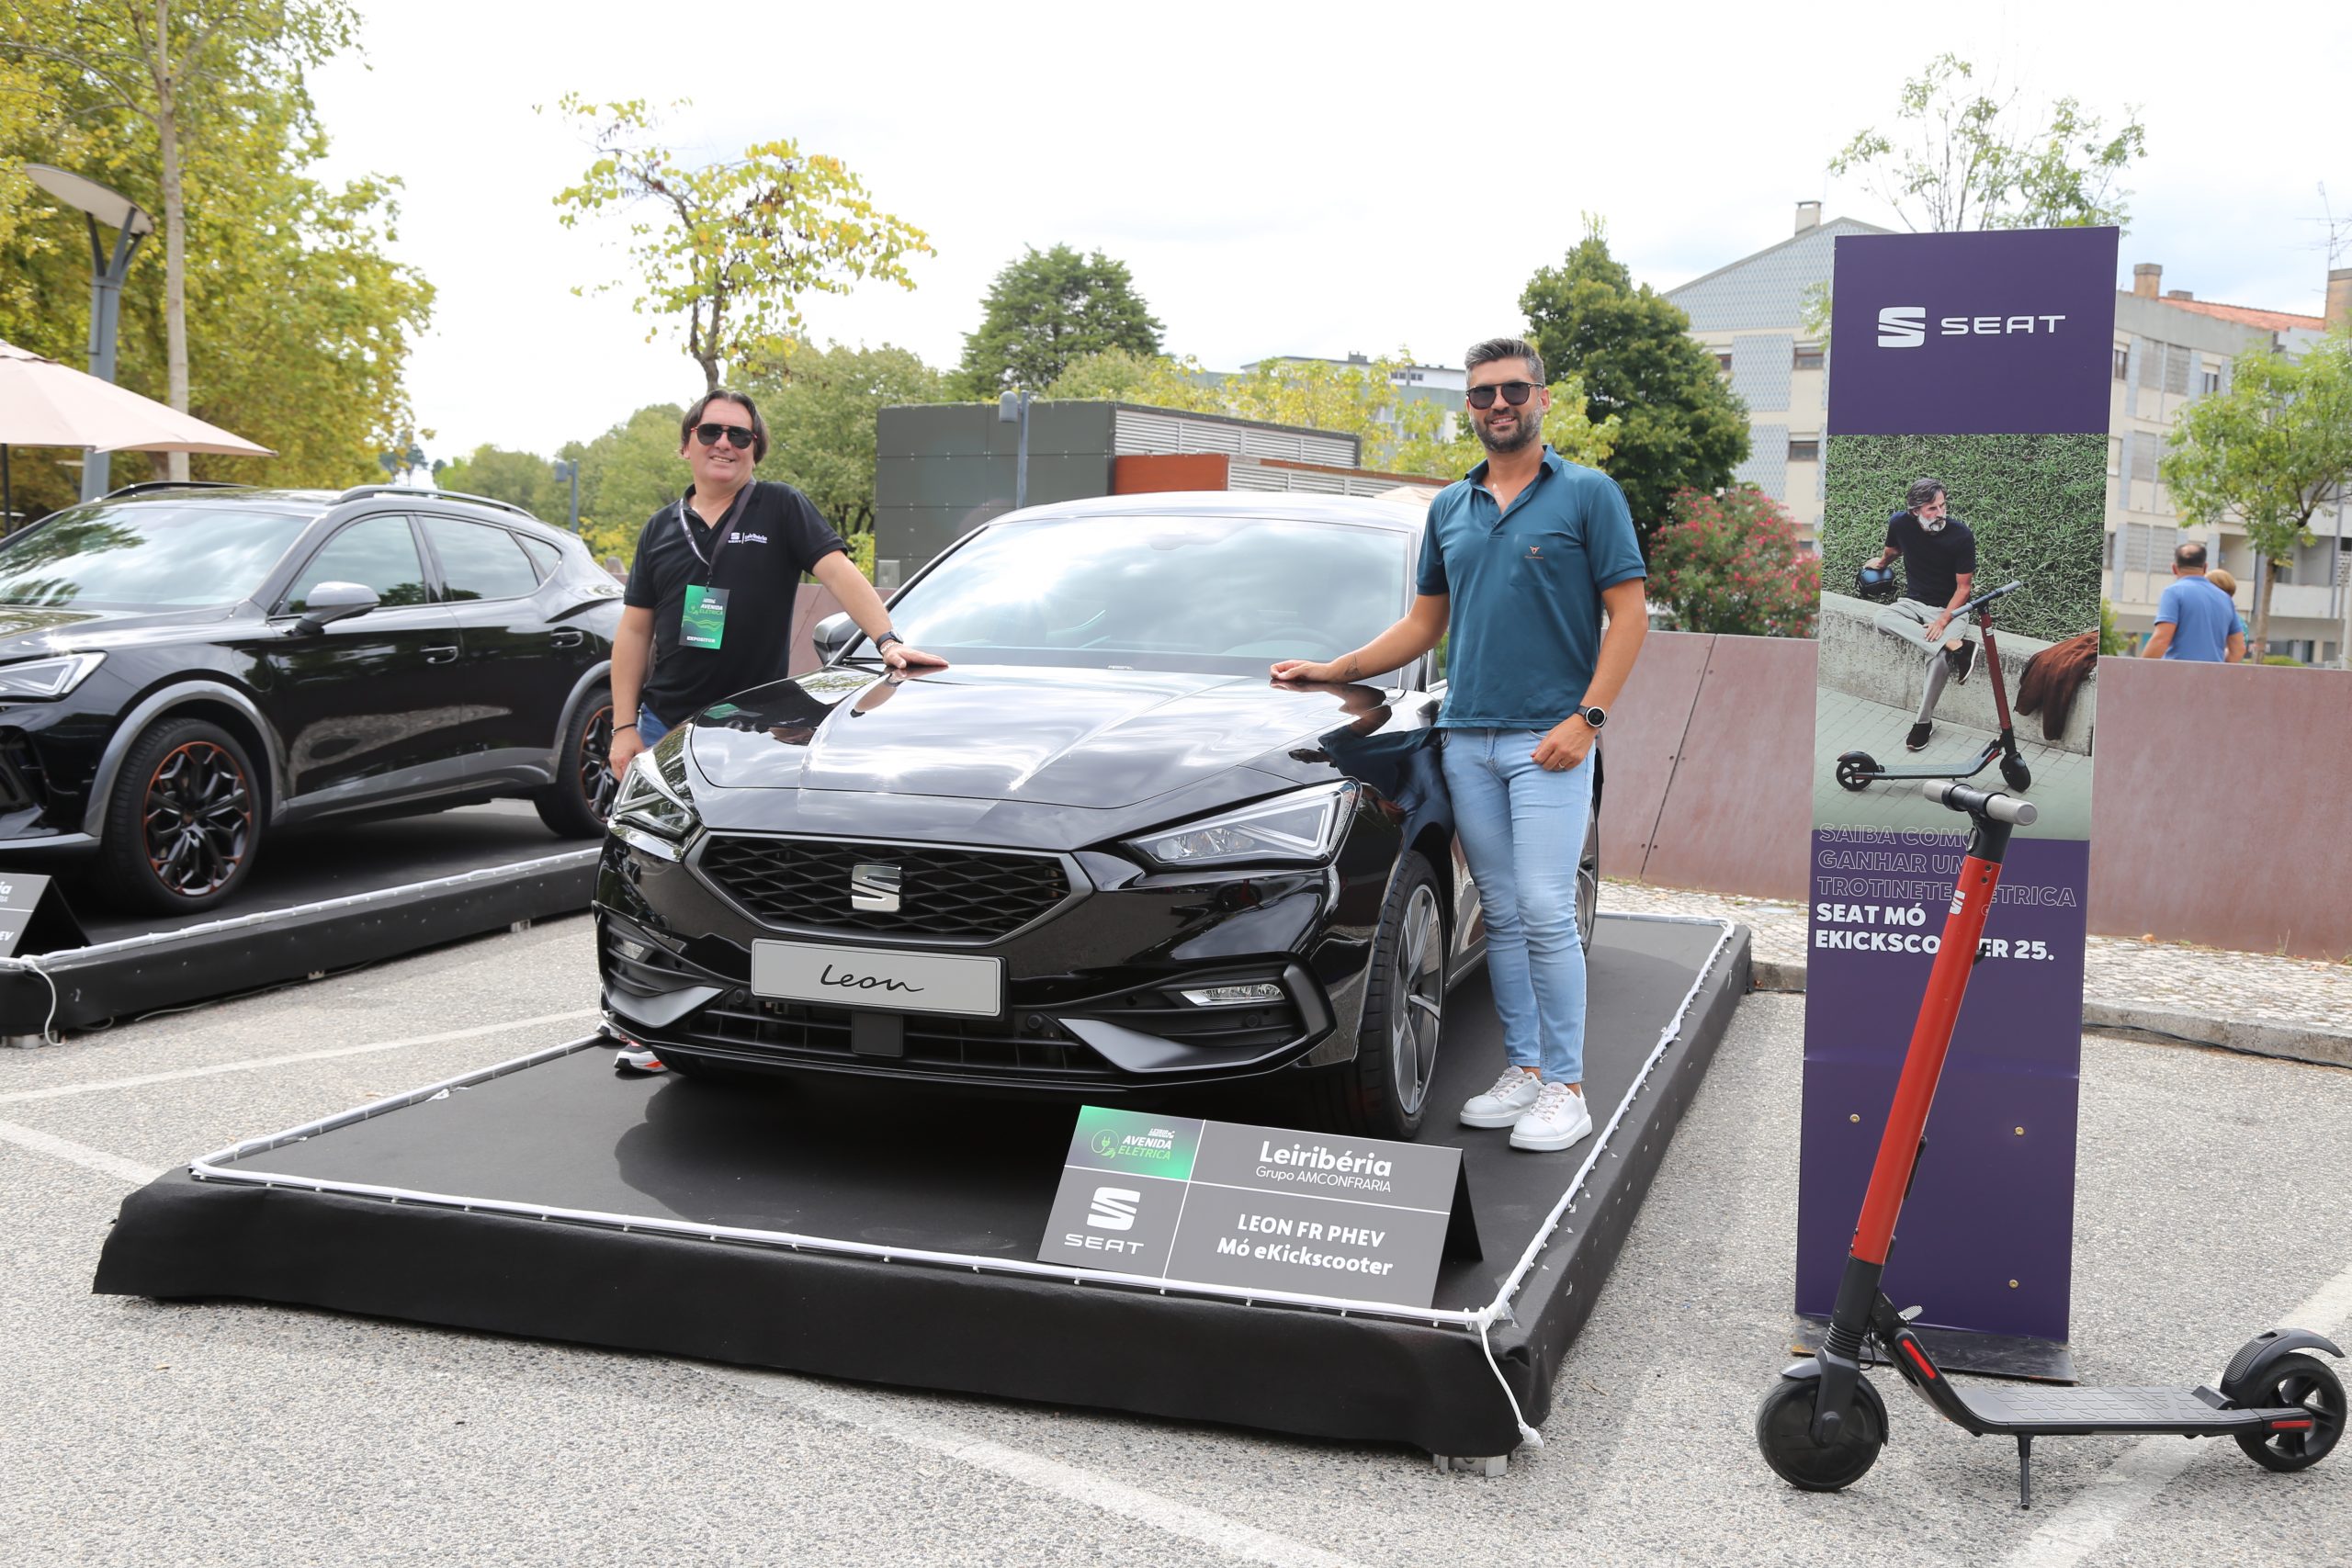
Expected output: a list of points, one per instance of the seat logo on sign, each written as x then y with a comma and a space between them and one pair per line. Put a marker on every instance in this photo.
1905, 326
1114, 1209
874, 888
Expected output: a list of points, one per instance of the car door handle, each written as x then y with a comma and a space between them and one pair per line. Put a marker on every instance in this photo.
442, 655
567, 637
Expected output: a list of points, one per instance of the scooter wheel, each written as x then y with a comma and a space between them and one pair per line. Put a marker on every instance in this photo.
2296, 1380
1784, 1431
2016, 774
1856, 770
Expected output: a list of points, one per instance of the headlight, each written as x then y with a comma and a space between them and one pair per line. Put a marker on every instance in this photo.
652, 803
48, 677
1299, 828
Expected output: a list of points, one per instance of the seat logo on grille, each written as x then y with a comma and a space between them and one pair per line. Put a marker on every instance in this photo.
873, 889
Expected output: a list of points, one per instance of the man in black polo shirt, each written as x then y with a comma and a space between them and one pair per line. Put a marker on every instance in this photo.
1939, 554
710, 599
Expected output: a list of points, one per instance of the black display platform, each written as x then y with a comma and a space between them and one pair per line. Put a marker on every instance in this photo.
871, 1231
321, 899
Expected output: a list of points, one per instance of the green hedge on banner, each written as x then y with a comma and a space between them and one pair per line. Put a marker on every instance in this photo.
2038, 504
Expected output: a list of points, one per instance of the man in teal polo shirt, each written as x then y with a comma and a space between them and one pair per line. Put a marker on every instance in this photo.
1518, 560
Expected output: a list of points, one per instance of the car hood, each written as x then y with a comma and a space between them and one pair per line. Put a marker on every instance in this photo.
1051, 737
30, 631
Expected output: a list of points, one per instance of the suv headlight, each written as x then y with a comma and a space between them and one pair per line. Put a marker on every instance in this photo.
48, 678
654, 806
1298, 828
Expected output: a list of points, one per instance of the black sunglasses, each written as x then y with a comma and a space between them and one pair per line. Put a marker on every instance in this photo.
1514, 393
737, 436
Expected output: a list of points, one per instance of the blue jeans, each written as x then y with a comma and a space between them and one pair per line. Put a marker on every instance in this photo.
649, 725
1522, 829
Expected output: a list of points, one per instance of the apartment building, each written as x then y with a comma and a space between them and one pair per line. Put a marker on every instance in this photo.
1751, 315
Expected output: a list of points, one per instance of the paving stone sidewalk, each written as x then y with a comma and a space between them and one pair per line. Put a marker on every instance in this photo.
2265, 1003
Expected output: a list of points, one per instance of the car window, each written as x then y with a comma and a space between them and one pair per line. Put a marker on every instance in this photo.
145, 554
1229, 594
479, 561
544, 556
375, 552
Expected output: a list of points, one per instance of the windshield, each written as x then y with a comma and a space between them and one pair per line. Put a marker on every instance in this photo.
144, 556
1221, 594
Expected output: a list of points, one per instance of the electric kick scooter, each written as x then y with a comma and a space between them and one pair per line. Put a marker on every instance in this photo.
1822, 1424
1859, 770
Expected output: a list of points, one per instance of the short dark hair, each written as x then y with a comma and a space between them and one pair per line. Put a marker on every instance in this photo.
2189, 554
726, 395
1496, 349
1922, 492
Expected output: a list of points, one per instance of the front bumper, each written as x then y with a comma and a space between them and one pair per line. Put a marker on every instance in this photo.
1094, 981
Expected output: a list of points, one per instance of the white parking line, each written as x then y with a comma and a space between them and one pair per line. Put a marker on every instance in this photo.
2086, 1525
82, 1155
871, 1414
253, 1064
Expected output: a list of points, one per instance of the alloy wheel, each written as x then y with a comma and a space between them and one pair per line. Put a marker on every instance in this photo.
198, 817
597, 785
1417, 1004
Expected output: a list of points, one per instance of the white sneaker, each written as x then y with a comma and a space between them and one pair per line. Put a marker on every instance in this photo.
1504, 1104
1558, 1118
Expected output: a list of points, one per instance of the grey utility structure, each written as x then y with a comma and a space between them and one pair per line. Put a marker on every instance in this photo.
941, 469
99, 205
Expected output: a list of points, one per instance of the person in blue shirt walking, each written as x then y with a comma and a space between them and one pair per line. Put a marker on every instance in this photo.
1518, 563
2194, 620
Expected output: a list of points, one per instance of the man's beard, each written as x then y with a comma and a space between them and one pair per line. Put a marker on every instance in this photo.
1531, 428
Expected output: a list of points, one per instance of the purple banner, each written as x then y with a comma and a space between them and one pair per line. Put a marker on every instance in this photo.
1967, 454
1950, 335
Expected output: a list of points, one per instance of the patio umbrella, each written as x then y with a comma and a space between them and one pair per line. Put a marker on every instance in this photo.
43, 403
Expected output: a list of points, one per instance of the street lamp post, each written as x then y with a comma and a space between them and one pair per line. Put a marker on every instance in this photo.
1012, 408
99, 205
566, 468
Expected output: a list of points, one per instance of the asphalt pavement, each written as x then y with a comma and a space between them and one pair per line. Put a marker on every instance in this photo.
2214, 1201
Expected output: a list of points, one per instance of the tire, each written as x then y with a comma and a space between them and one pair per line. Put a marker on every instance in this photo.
1588, 878
183, 826
574, 806
2295, 1380
1784, 1433
1385, 1092
1856, 770
2016, 774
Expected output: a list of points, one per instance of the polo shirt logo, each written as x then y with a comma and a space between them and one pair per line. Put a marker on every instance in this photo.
1535, 552
751, 538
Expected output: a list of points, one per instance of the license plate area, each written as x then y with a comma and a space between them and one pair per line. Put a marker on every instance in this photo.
881, 979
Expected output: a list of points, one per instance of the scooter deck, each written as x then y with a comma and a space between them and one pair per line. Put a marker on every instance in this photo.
2080, 1412
1931, 770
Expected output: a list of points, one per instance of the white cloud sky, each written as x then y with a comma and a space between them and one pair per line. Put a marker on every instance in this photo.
1282, 178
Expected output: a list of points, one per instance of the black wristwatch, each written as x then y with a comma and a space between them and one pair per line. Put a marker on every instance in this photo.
1594, 717
888, 637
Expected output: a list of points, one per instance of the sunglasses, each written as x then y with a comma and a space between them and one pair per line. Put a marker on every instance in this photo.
737, 436
1514, 393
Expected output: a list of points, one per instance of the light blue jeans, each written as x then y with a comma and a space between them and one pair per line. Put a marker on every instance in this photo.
1522, 830
650, 727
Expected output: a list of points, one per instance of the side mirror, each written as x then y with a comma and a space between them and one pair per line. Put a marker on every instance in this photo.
331, 602
832, 635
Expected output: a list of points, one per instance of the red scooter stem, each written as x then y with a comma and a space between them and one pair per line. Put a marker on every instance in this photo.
1923, 1064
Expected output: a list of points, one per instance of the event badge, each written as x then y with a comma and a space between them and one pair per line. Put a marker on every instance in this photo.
704, 622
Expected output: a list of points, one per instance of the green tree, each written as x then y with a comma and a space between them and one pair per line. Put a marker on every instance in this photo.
519, 479
1049, 308
733, 246
1156, 380
1678, 426
1971, 159
821, 422
296, 322
1731, 564
627, 475
186, 69
2271, 451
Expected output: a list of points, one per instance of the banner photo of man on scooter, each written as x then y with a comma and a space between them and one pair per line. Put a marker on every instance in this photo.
1962, 544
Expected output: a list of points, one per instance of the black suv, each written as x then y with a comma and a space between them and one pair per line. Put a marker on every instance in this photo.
185, 668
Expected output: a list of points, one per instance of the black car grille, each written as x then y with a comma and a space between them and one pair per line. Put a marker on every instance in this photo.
961, 1048
21, 779
971, 895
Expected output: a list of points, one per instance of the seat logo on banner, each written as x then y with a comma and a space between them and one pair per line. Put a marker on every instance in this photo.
1905, 326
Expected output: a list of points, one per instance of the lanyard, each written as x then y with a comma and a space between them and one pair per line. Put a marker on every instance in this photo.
725, 528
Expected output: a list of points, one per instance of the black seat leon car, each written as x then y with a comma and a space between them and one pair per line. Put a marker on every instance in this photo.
184, 668
1102, 853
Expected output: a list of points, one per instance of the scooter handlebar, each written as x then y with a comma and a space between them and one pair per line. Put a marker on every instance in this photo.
1980, 802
